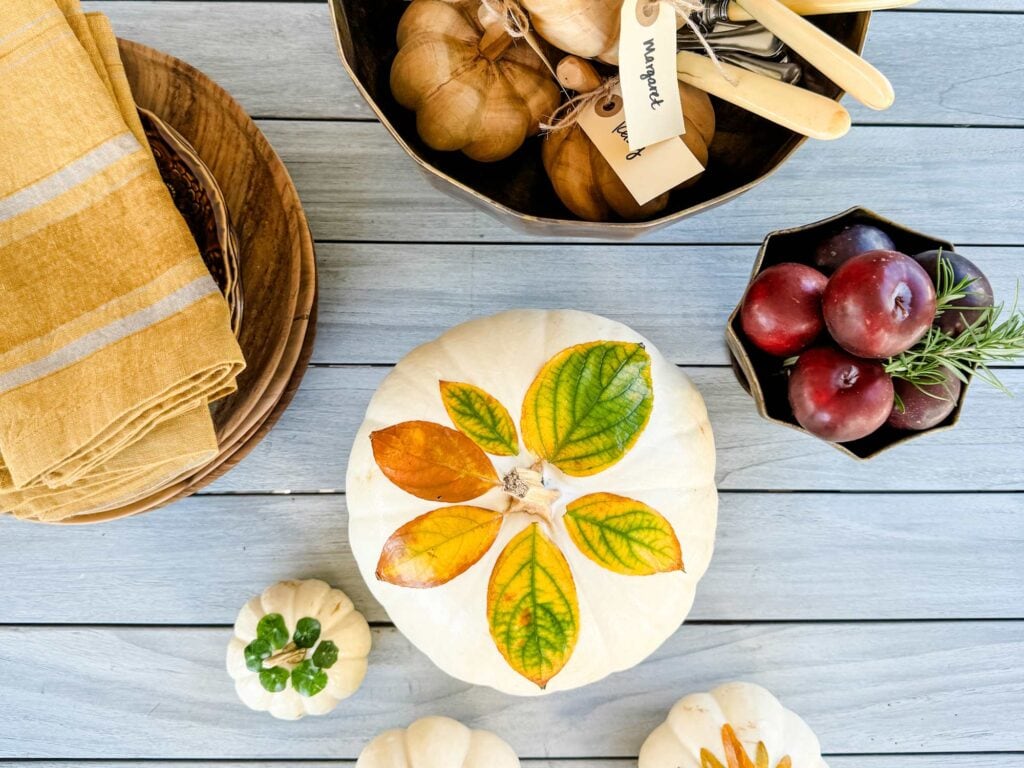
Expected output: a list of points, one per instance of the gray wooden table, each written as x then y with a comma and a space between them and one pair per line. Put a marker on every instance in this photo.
884, 602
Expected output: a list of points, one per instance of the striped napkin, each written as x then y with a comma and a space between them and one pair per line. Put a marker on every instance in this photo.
113, 336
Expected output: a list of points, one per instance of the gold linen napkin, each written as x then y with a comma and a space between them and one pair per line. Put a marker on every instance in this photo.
113, 335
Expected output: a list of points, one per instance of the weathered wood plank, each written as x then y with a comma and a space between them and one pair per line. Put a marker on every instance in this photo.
279, 59
679, 297
875, 688
357, 184
961, 760
308, 449
778, 557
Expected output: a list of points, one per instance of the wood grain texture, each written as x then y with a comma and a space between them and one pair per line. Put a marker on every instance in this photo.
279, 59
308, 450
882, 687
778, 557
357, 184
687, 292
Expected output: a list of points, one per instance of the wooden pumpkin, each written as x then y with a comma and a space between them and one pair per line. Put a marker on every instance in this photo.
524, 494
437, 742
587, 28
473, 89
737, 725
583, 179
298, 649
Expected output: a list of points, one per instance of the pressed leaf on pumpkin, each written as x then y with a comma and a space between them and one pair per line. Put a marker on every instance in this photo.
736, 756
433, 462
588, 406
532, 606
583, 412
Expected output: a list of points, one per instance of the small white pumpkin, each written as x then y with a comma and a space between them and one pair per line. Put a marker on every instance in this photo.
437, 742
736, 725
298, 649
525, 494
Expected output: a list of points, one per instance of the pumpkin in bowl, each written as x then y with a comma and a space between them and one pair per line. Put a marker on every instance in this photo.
473, 86
531, 497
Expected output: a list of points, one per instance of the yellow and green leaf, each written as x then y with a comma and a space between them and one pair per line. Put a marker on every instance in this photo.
588, 406
436, 547
532, 606
433, 462
623, 535
481, 417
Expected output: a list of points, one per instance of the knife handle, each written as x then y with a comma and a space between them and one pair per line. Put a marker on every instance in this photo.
795, 108
833, 59
821, 7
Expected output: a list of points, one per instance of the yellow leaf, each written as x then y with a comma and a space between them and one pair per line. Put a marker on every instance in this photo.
588, 406
481, 417
532, 606
708, 760
433, 462
623, 535
436, 547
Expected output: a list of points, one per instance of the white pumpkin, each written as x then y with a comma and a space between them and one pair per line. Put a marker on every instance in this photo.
638, 451
437, 742
298, 649
737, 725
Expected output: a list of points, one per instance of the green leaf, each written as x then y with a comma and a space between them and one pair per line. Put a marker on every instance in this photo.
272, 629
307, 632
325, 655
308, 679
274, 679
255, 652
480, 417
623, 535
532, 607
588, 406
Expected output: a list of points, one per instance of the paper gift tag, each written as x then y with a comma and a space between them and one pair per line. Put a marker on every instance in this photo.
648, 171
647, 72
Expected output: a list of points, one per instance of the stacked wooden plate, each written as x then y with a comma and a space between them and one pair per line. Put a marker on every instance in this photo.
276, 258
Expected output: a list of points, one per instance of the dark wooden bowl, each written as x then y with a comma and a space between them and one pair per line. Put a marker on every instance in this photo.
276, 257
745, 151
764, 376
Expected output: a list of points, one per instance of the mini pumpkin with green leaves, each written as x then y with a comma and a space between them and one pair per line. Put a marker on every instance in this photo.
531, 497
298, 649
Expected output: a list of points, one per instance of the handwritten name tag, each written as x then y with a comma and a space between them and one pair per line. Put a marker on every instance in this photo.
647, 71
646, 171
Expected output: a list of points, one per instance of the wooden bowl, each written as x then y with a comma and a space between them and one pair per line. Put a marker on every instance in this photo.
745, 151
765, 378
276, 257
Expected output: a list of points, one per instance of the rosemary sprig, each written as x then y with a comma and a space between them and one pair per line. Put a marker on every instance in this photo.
985, 342
948, 292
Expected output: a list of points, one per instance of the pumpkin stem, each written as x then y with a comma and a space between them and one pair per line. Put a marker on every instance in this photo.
528, 492
495, 42
290, 654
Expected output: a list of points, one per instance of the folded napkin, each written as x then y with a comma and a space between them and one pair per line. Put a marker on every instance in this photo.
113, 336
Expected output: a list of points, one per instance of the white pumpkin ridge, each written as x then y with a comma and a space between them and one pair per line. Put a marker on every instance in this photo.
669, 468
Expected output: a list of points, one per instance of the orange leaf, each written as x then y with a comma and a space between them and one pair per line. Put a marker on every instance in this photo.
433, 462
735, 755
436, 547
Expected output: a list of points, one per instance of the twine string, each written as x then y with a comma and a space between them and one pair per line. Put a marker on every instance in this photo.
689, 11
516, 23
568, 114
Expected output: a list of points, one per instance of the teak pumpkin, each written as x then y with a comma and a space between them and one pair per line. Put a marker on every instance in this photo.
525, 494
583, 179
473, 88
437, 742
737, 725
298, 649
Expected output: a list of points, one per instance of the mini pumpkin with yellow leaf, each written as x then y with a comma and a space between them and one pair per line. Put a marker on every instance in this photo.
531, 497
736, 725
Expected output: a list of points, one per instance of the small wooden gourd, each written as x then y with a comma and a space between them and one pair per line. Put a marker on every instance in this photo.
474, 88
587, 28
583, 179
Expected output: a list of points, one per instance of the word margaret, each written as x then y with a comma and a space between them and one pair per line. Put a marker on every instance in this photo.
649, 77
